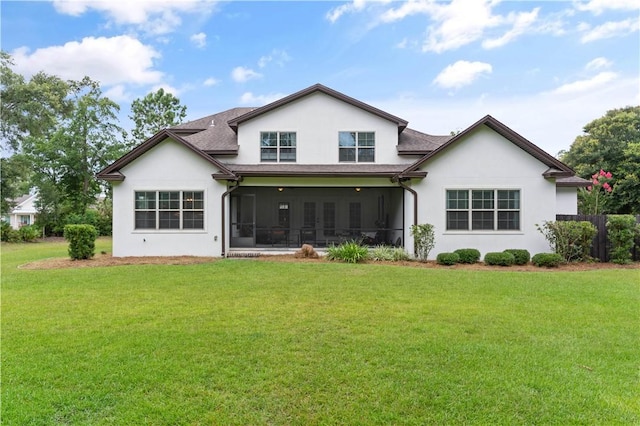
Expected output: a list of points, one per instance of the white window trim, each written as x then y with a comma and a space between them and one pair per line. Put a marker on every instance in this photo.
483, 231
180, 230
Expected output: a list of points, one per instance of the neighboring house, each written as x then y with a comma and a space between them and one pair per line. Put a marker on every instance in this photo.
23, 213
320, 167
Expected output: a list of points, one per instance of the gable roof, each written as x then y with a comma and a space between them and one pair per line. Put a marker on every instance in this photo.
555, 165
112, 172
317, 88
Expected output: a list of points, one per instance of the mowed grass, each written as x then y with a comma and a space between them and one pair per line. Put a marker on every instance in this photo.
255, 342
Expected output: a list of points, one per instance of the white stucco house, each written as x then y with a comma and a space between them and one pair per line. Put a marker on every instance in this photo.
321, 167
23, 213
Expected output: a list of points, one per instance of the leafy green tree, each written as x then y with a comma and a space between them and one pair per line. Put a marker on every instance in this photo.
15, 173
612, 143
29, 108
155, 112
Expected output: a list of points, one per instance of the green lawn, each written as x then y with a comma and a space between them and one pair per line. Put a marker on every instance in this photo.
254, 342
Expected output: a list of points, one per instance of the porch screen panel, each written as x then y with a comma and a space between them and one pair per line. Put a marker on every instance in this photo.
355, 216
329, 218
309, 215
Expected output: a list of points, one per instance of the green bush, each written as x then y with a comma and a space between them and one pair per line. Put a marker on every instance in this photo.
621, 234
82, 240
570, 239
423, 240
548, 260
30, 233
9, 235
521, 256
447, 258
499, 258
100, 219
468, 255
388, 253
350, 252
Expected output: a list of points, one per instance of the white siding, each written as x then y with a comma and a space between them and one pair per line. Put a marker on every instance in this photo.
567, 200
317, 119
485, 160
167, 166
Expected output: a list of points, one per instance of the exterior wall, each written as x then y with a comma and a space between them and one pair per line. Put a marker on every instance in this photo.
317, 119
485, 160
566, 201
167, 166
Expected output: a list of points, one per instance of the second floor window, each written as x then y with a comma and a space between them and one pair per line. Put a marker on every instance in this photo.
278, 147
357, 147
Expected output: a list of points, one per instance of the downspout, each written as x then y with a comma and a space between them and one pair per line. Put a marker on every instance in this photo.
222, 207
415, 200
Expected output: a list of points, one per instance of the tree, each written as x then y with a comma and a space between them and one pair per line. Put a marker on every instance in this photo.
612, 143
14, 180
29, 108
155, 112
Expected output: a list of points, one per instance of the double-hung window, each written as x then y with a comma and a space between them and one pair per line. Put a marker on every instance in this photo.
169, 210
278, 147
483, 209
357, 147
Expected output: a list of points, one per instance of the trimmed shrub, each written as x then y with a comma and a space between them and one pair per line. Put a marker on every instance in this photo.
621, 234
547, 260
499, 258
350, 252
424, 238
82, 241
570, 239
447, 258
521, 256
468, 255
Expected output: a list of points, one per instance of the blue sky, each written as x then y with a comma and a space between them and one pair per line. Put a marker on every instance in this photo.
544, 68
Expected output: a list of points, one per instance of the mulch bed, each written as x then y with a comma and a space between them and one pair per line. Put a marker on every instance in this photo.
105, 260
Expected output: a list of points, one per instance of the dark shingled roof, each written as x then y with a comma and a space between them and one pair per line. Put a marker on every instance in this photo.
572, 181
414, 142
217, 138
326, 170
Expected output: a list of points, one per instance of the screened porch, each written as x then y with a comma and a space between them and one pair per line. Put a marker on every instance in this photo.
287, 217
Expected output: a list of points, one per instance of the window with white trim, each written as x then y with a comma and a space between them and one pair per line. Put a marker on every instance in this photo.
483, 209
169, 210
357, 147
278, 147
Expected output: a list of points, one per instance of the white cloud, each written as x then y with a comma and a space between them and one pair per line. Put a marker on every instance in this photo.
111, 61
242, 74
598, 63
334, 14
522, 22
586, 85
459, 23
154, 17
611, 29
211, 81
462, 73
118, 93
277, 56
407, 9
200, 40
249, 98
598, 6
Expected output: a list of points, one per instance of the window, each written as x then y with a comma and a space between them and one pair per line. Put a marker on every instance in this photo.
25, 220
278, 147
356, 147
483, 209
169, 210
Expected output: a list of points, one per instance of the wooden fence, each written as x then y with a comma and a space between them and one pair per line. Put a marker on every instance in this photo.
600, 247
